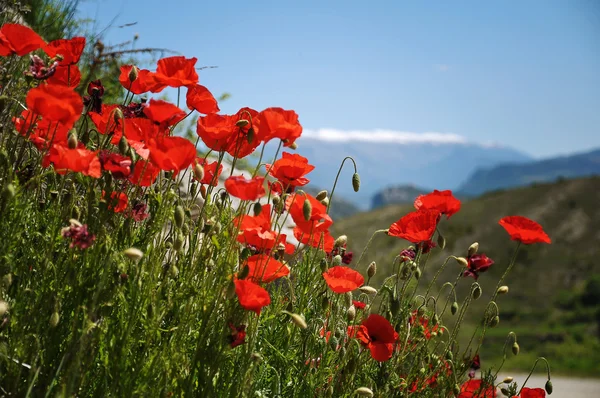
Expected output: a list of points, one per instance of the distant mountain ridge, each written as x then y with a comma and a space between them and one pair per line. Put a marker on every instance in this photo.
512, 175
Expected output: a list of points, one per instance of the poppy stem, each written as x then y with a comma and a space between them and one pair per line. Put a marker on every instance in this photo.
512, 263
368, 243
337, 177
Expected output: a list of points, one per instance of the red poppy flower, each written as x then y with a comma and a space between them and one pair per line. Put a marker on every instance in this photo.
145, 81
342, 279
163, 113
290, 170
69, 76
477, 263
256, 231
441, 201
317, 239
117, 201
211, 174
55, 103
426, 246
264, 268
244, 189
244, 141
237, 336
80, 160
69, 49
379, 336
176, 71
118, 165
415, 227
41, 132
251, 296
524, 230
474, 388
18, 39
144, 174
216, 131
200, 99
171, 153
359, 305
318, 221
531, 393
278, 123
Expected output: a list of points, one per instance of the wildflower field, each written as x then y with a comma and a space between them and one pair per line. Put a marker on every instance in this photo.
127, 270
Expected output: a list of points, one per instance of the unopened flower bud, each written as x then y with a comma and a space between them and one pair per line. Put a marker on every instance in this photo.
203, 191
505, 391
507, 380
462, 261
515, 348
307, 209
325, 202
123, 145
72, 140
54, 319
355, 182
494, 321
321, 195
548, 387
293, 146
476, 292
454, 308
340, 241
418, 273
337, 260
473, 249
372, 269
133, 254
179, 216
133, 74
456, 389
3, 307
348, 299
117, 114
250, 135
368, 290
298, 320
198, 171
364, 392
441, 241
242, 123
323, 265
395, 306
502, 290
351, 313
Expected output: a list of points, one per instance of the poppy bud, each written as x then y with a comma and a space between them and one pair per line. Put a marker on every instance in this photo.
325, 303
133, 74
178, 243
203, 191
257, 208
3, 307
355, 182
449, 355
515, 348
198, 171
473, 249
256, 357
441, 241
364, 392
351, 313
418, 273
323, 265
494, 321
502, 290
321, 195
507, 380
8, 192
179, 216
293, 146
123, 145
298, 320
476, 292
548, 387
242, 123
174, 271
395, 306
454, 308
505, 391
72, 140
307, 209
250, 135
337, 260
456, 389
325, 202
368, 290
54, 318
462, 261
348, 299
372, 269
133, 254
117, 114
333, 342
340, 241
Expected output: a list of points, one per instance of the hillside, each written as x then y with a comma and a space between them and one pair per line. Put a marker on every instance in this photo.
554, 299
519, 174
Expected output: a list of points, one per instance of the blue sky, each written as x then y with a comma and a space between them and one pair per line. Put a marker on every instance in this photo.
524, 74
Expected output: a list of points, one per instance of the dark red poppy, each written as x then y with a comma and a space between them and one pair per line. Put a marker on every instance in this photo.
145, 81
118, 165
171, 153
55, 103
377, 334
320, 239
265, 269
415, 227
478, 263
441, 201
531, 393
278, 123
251, 296
80, 160
68, 76
475, 388
524, 230
144, 174
237, 336
474, 366
139, 212
211, 174
359, 305
163, 112
290, 170
79, 235
342, 279
318, 221
244, 189
69, 49
176, 71
39, 70
408, 254
117, 201
18, 39
200, 99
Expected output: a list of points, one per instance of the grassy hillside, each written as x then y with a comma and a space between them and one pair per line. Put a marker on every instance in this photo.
554, 300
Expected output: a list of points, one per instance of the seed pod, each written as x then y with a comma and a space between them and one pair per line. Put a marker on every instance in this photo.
257, 208
441, 241
454, 308
364, 392
372, 269
307, 209
515, 348
473, 249
502, 290
321, 195
179, 216
355, 182
548, 387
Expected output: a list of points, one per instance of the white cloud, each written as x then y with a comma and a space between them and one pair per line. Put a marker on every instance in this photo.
398, 137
